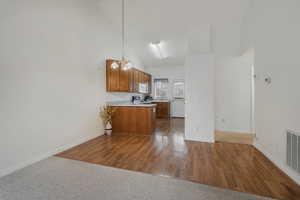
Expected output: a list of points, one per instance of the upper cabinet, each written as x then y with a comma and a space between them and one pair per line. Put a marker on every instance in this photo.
132, 80
136, 80
125, 81
112, 78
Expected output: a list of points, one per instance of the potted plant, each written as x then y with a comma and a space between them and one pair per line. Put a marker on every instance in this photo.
105, 114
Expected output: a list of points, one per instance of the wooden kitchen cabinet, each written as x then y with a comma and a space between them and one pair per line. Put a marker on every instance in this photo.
118, 80
112, 78
125, 81
163, 109
133, 120
123, 121
145, 78
148, 79
150, 84
136, 80
145, 123
141, 77
132, 81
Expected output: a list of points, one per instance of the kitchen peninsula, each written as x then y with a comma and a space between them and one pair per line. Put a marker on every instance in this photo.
133, 119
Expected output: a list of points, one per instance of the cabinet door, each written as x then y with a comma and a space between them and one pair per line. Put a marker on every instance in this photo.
144, 120
165, 109
124, 81
145, 78
158, 113
136, 80
140, 80
112, 77
141, 77
131, 81
149, 84
162, 109
124, 121
153, 118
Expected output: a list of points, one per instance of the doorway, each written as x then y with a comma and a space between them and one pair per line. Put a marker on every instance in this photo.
178, 98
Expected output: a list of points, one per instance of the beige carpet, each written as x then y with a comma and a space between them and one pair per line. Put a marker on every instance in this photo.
64, 179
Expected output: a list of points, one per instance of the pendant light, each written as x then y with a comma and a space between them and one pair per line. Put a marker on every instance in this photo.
114, 65
124, 64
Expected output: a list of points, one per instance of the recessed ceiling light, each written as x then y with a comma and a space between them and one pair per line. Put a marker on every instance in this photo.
159, 49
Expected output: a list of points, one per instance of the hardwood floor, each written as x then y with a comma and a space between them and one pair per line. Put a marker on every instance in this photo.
240, 138
237, 167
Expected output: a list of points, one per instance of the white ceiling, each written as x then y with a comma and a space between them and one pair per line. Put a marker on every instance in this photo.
172, 21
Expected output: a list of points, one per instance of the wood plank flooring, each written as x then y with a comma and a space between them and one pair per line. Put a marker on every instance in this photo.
237, 167
240, 138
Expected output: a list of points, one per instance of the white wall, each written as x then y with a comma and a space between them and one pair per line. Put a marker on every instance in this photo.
233, 95
52, 77
273, 29
200, 94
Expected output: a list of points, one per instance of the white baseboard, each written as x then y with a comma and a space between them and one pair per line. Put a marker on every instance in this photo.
199, 140
281, 165
233, 131
45, 155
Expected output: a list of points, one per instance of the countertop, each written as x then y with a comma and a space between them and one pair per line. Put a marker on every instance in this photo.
160, 100
128, 103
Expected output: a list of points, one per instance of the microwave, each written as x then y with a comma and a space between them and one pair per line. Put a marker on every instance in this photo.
142, 88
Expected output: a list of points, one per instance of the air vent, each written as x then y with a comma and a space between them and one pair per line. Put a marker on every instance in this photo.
293, 150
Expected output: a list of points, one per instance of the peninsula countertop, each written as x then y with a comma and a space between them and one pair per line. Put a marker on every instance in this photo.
129, 104
160, 100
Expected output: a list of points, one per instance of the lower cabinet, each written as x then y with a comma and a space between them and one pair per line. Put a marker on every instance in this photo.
133, 120
163, 109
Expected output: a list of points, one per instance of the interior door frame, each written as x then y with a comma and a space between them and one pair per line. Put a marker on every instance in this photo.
174, 99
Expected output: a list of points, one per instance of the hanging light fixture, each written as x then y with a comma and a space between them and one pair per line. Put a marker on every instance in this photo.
124, 64
159, 50
114, 65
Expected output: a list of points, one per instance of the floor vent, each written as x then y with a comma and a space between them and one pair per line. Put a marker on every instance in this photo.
293, 150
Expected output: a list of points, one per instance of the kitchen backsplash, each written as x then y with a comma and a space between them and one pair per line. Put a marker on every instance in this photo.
118, 96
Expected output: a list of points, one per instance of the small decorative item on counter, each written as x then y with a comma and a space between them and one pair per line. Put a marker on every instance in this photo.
105, 114
148, 98
136, 99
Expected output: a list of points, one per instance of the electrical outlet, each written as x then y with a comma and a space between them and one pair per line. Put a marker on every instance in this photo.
268, 80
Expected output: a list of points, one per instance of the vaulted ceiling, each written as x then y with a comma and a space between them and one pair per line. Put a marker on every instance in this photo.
172, 21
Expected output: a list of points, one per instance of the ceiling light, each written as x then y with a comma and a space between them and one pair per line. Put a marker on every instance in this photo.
159, 49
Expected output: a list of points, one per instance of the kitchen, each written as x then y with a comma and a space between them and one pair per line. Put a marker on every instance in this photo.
154, 95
